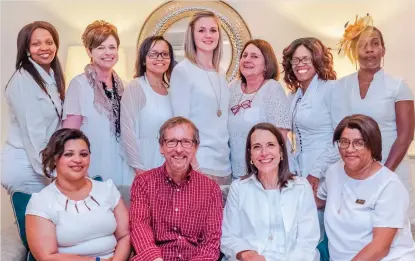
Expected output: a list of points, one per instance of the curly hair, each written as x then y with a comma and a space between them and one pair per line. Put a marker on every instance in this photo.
56, 146
321, 57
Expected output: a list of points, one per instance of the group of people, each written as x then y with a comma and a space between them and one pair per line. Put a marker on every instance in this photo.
323, 164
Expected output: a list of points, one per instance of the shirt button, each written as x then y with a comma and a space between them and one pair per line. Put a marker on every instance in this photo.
175, 228
180, 255
176, 209
180, 237
178, 189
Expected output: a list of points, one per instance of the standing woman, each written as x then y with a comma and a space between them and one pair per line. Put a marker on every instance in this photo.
34, 94
93, 101
255, 97
308, 67
145, 105
373, 92
200, 93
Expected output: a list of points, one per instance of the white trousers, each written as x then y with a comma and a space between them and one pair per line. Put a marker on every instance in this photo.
17, 174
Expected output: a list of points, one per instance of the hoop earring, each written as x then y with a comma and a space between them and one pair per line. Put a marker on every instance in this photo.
252, 163
28, 54
281, 158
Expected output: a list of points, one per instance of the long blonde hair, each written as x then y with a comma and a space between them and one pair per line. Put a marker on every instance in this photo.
189, 42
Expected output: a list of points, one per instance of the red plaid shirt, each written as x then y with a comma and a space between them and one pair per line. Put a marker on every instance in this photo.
175, 222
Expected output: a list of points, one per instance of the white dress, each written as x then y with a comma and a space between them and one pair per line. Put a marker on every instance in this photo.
270, 104
281, 225
313, 126
192, 93
143, 112
33, 120
355, 207
85, 227
379, 103
106, 154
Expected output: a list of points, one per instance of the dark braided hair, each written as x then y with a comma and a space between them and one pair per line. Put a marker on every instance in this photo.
56, 146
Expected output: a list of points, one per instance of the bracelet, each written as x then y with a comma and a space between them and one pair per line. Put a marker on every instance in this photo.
97, 258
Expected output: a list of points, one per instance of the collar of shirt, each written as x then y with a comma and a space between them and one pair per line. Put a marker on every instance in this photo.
290, 184
48, 78
186, 180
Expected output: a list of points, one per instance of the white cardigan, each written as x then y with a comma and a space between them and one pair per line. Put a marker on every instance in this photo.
246, 224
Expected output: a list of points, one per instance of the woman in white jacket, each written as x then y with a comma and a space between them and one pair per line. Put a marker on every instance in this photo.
285, 225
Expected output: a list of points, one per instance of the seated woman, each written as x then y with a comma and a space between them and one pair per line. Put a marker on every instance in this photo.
75, 218
270, 214
366, 216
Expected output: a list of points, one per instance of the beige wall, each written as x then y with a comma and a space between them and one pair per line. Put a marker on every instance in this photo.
277, 21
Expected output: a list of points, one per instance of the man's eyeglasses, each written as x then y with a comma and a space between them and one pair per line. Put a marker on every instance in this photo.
155, 55
305, 60
244, 105
186, 143
357, 144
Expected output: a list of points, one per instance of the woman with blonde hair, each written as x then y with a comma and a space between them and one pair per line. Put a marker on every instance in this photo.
93, 101
199, 92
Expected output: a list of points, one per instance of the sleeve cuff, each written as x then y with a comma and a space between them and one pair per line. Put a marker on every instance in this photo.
148, 254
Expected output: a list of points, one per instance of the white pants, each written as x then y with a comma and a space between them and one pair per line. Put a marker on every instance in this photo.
17, 174
404, 173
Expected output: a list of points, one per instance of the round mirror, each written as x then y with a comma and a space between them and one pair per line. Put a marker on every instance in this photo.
172, 18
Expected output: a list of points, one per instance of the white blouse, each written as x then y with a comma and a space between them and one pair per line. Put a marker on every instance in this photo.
355, 207
33, 118
143, 112
195, 94
313, 125
270, 104
106, 154
248, 225
85, 227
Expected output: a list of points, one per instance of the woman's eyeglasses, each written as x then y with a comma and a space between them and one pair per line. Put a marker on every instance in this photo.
244, 105
304, 60
155, 55
345, 143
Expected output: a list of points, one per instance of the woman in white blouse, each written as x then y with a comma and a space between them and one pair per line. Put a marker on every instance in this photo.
284, 226
76, 218
92, 102
255, 97
145, 105
366, 204
34, 94
199, 92
388, 100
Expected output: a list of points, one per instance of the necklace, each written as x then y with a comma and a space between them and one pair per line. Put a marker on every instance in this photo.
364, 176
247, 103
160, 86
56, 108
218, 101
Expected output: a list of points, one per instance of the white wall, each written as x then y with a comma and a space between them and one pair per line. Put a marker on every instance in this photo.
277, 21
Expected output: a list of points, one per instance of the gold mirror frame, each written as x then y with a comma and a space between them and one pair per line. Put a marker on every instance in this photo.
160, 20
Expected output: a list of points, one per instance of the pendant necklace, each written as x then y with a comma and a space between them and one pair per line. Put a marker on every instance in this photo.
218, 101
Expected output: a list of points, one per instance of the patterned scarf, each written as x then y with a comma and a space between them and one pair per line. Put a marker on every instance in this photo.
109, 107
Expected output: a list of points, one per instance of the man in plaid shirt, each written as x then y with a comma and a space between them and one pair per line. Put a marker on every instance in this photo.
176, 212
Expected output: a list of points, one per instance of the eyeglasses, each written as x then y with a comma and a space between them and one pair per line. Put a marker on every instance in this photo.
155, 55
357, 144
186, 143
305, 60
244, 105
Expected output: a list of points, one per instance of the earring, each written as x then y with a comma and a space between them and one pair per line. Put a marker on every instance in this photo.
28, 54
252, 163
281, 158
